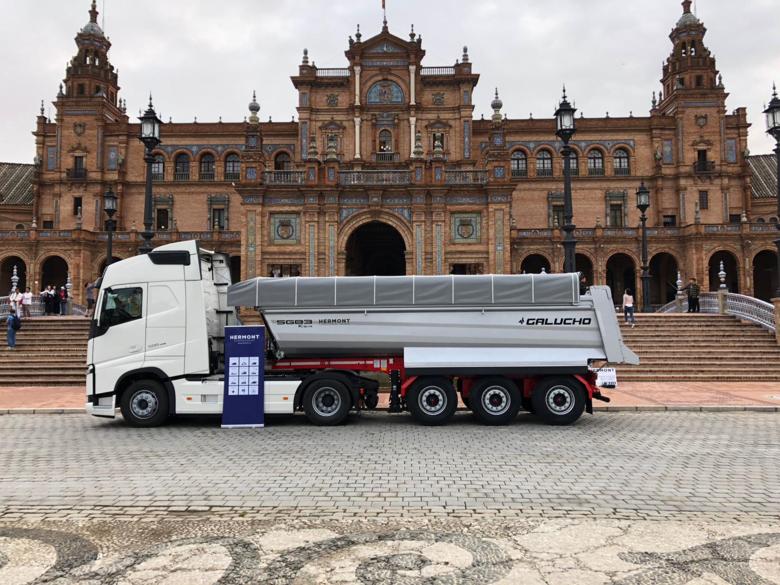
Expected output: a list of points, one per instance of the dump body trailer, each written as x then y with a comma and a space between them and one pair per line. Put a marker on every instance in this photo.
501, 342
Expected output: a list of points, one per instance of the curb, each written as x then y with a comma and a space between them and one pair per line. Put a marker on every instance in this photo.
642, 408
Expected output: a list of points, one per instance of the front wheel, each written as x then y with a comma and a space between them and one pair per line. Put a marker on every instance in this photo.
496, 401
432, 400
558, 401
144, 404
326, 402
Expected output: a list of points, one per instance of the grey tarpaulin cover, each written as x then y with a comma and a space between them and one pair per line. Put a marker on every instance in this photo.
404, 291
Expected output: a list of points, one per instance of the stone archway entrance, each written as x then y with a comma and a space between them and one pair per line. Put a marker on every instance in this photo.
731, 268
375, 249
765, 275
7, 272
54, 271
663, 278
621, 275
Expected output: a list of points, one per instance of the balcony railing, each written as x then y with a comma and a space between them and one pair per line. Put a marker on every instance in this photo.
284, 177
465, 177
375, 178
622, 171
518, 173
704, 167
158, 177
181, 176
334, 72
595, 171
232, 175
387, 157
77, 174
437, 71
544, 172
207, 175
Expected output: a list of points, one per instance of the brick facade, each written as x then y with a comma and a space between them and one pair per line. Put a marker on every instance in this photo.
387, 171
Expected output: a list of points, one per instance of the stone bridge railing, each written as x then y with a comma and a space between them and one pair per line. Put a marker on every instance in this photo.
741, 306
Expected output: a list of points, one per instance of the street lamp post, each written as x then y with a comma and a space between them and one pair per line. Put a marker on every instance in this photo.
565, 129
773, 128
150, 136
642, 203
109, 206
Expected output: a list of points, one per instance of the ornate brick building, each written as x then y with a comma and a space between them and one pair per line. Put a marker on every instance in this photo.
387, 171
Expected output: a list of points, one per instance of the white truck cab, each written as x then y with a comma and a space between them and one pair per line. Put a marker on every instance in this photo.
156, 343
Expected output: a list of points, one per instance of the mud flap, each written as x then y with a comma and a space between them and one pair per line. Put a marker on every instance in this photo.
105, 407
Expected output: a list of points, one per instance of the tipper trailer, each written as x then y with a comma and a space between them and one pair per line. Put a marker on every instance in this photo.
501, 342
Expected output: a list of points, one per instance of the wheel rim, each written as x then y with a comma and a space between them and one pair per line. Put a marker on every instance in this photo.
560, 400
144, 404
326, 401
432, 400
496, 400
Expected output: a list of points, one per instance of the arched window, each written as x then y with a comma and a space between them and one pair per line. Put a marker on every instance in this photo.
207, 167
595, 163
772, 220
181, 168
622, 163
544, 164
519, 164
574, 164
282, 162
385, 141
385, 92
760, 220
158, 168
232, 167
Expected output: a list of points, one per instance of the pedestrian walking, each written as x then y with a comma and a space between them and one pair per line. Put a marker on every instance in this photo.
13, 324
26, 303
63, 297
628, 308
694, 291
90, 286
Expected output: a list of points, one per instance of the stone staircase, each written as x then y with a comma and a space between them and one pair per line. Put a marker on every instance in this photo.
50, 351
677, 347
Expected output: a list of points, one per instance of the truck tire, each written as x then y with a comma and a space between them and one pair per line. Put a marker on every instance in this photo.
558, 401
326, 402
495, 401
432, 400
144, 404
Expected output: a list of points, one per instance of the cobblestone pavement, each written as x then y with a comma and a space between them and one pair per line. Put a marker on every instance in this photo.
632, 499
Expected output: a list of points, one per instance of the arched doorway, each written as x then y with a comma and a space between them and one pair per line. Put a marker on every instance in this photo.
534, 263
375, 249
621, 275
765, 275
54, 271
584, 266
663, 278
729, 266
7, 272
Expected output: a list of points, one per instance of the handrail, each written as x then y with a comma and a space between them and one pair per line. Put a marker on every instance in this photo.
741, 306
333, 72
37, 308
437, 71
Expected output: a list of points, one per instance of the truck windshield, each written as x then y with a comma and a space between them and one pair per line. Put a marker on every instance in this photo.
121, 305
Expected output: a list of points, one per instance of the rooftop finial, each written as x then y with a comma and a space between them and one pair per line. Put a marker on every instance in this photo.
151, 106
496, 104
564, 92
305, 60
687, 6
42, 110
93, 12
411, 34
465, 57
774, 89
384, 17
358, 35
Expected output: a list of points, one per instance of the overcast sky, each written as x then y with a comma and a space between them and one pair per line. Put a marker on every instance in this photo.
203, 58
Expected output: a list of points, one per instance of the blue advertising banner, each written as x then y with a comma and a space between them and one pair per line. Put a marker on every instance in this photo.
242, 404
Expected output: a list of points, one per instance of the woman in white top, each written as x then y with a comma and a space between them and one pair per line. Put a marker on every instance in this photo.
628, 307
15, 299
26, 302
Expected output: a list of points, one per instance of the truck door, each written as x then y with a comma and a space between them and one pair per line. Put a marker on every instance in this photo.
119, 334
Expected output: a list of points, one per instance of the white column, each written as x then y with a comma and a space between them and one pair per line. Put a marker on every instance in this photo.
357, 137
413, 128
357, 85
413, 97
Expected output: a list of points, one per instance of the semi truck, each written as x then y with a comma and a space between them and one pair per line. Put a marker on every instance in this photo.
499, 343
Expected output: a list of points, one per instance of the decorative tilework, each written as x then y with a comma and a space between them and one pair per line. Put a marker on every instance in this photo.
404, 212
466, 137
285, 228
439, 248
731, 150
437, 174
311, 174
304, 137
499, 235
418, 245
269, 149
312, 250
419, 199
466, 227
251, 174
468, 199
312, 199
385, 92
347, 212
332, 250
331, 174
668, 152
357, 200
499, 172
500, 198
418, 174
113, 158
284, 200
51, 158
251, 247
398, 200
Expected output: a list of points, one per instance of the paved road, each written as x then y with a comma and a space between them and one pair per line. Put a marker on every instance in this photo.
631, 499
